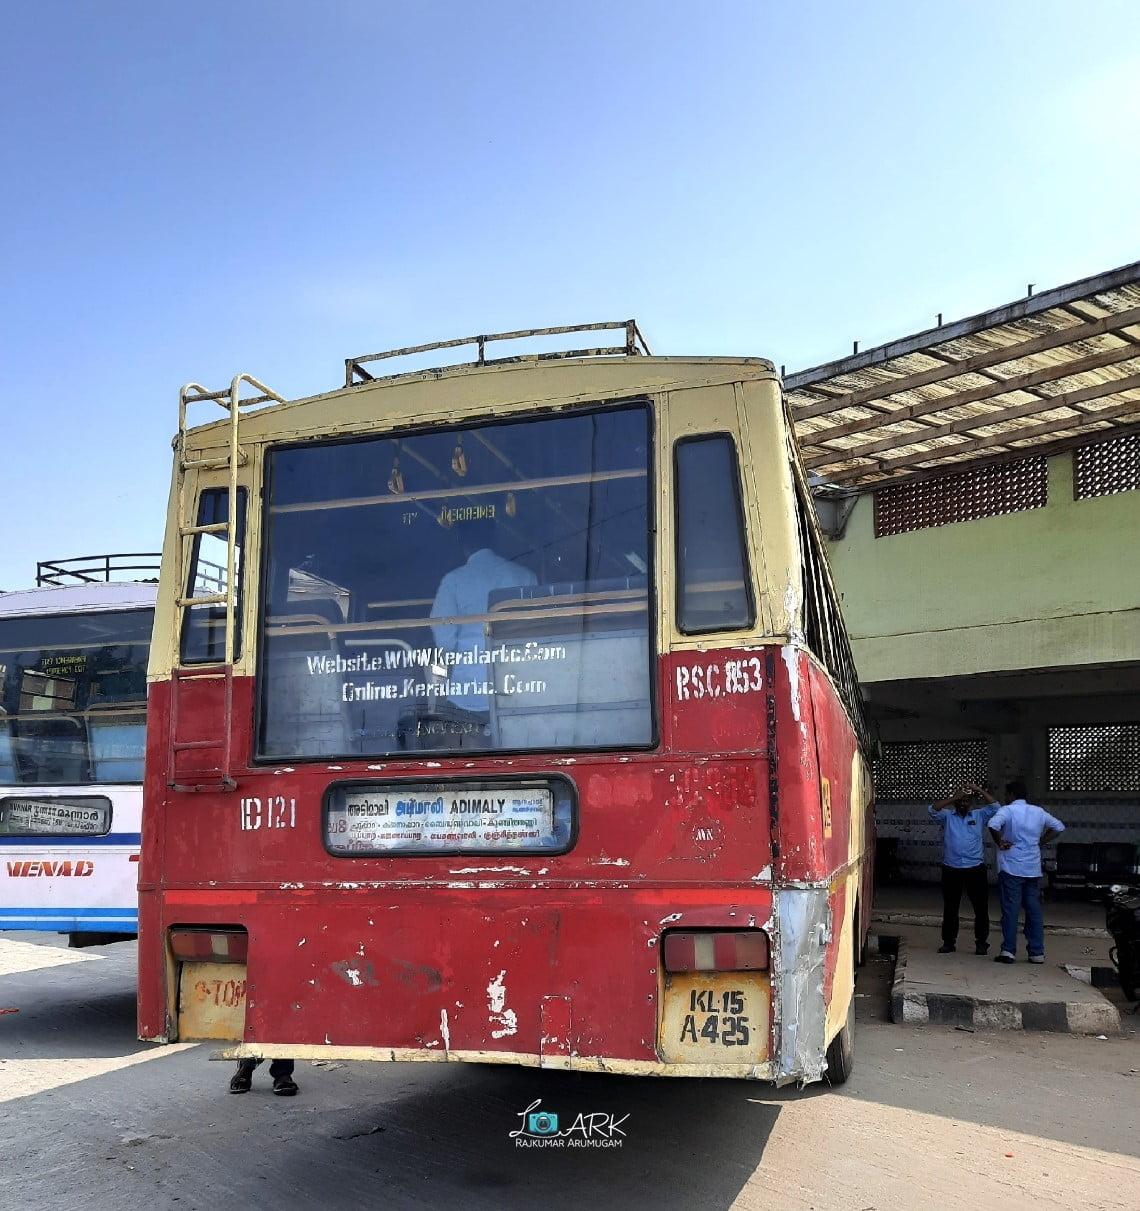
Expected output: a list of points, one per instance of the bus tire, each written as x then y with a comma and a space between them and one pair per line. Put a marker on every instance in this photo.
841, 1050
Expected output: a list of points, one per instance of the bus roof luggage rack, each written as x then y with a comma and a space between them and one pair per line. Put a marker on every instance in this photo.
634, 346
130, 567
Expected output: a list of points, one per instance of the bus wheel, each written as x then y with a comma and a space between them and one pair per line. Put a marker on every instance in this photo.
841, 1050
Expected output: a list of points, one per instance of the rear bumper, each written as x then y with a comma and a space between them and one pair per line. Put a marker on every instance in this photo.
574, 981
572, 1063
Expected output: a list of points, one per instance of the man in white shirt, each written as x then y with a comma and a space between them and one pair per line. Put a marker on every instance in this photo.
1020, 829
462, 595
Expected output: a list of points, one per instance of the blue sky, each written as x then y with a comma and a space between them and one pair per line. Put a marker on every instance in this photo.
193, 191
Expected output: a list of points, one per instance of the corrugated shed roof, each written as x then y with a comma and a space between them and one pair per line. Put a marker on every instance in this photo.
1052, 370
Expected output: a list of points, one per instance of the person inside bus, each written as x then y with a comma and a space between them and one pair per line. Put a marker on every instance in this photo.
463, 592
963, 820
280, 1072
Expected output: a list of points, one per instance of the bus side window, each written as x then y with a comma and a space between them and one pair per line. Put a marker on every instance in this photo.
117, 741
824, 630
204, 629
713, 584
7, 754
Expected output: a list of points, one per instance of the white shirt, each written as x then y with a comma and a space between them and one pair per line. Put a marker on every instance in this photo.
1023, 824
463, 592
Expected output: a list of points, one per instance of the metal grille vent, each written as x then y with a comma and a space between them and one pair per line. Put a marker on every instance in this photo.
987, 491
926, 771
1107, 467
1097, 758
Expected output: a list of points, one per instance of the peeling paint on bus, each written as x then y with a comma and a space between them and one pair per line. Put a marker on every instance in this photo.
714, 822
492, 870
791, 659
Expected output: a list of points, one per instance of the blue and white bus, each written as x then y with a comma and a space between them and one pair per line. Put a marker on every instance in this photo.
73, 657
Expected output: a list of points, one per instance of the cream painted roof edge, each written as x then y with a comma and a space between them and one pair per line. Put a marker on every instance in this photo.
740, 367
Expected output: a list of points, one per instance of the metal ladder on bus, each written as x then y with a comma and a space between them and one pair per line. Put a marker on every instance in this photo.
187, 598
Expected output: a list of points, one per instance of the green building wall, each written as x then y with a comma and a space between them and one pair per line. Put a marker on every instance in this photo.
1052, 587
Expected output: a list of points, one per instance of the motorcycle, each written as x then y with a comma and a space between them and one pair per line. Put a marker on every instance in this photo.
1122, 918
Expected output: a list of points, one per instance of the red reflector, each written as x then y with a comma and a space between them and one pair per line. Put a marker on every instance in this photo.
209, 945
716, 950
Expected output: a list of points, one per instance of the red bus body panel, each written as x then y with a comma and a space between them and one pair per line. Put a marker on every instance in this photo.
508, 955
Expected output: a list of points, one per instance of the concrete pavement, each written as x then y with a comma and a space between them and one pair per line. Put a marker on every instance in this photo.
931, 1117
973, 992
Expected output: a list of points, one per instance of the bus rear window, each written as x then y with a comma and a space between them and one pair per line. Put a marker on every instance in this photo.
481, 588
713, 586
204, 628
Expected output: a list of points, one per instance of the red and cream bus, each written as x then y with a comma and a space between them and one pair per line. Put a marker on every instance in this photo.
522, 727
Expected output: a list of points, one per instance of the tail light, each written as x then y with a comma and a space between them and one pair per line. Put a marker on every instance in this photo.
716, 950
202, 944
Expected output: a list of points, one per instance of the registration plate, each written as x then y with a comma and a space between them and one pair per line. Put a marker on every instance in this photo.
715, 1018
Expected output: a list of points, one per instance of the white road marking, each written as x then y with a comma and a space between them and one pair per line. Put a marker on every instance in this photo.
28, 956
23, 1078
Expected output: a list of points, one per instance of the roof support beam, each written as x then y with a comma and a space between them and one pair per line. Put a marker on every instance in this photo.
888, 466
1011, 313
1046, 450
1022, 382
991, 357
967, 424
